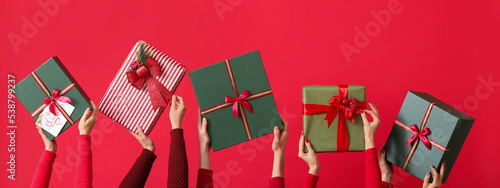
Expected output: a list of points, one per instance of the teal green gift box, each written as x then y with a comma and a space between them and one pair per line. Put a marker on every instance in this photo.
236, 98
40, 84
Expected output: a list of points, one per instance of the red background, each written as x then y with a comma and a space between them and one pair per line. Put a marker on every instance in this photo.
440, 47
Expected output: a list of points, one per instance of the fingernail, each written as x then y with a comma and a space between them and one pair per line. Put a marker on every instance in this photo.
302, 133
88, 108
276, 127
444, 163
428, 174
307, 141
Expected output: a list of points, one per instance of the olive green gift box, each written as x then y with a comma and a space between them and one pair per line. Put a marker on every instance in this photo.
213, 83
54, 75
447, 129
316, 130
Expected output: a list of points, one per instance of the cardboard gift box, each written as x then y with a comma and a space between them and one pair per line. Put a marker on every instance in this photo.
332, 120
427, 132
142, 88
47, 87
235, 97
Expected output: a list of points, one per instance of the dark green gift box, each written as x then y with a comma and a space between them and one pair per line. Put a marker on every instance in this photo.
54, 75
444, 126
316, 130
213, 85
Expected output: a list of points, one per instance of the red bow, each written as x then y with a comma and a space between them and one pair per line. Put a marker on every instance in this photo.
422, 135
240, 100
158, 94
55, 98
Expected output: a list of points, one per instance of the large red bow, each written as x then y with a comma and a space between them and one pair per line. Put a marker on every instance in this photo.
158, 94
55, 97
419, 135
240, 100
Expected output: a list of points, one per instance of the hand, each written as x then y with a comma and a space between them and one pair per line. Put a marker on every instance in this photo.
50, 145
370, 128
202, 133
87, 122
177, 111
310, 157
278, 146
385, 166
436, 182
279, 141
145, 141
204, 142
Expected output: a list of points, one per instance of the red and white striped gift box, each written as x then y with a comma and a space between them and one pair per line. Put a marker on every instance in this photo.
130, 106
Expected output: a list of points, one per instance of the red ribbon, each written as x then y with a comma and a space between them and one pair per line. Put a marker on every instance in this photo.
240, 100
422, 135
346, 110
158, 94
55, 97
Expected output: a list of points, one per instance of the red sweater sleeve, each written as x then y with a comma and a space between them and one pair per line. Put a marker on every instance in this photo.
44, 170
177, 161
373, 176
139, 173
83, 174
386, 185
277, 182
311, 181
205, 178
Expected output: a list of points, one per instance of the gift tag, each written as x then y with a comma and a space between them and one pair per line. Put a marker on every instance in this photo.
54, 123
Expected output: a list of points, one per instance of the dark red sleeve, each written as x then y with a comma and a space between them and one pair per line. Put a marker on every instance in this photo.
386, 185
373, 176
311, 181
277, 182
205, 178
177, 161
83, 174
44, 170
139, 173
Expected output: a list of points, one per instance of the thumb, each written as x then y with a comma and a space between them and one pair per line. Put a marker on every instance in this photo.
85, 115
309, 147
276, 134
204, 124
427, 179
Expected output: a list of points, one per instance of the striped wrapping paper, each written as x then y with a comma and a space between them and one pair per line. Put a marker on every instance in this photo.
130, 106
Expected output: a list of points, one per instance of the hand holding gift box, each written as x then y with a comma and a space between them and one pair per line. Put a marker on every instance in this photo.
339, 106
235, 97
52, 90
427, 132
142, 88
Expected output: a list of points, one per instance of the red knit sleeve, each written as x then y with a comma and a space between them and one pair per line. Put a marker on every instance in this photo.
311, 181
386, 185
373, 176
83, 174
277, 182
44, 170
205, 178
139, 173
177, 161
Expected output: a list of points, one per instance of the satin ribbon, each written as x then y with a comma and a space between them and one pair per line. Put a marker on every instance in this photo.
159, 95
52, 99
238, 103
346, 109
419, 135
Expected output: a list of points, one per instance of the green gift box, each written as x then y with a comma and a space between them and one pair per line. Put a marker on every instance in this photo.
41, 83
235, 97
329, 112
427, 132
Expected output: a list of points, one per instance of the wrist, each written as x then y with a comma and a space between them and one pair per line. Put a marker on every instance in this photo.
176, 126
369, 142
314, 169
53, 150
150, 148
387, 177
84, 132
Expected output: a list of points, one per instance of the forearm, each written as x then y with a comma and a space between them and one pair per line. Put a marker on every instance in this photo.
44, 170
83, 175
139, 173
177, 162
372, 169
278, 165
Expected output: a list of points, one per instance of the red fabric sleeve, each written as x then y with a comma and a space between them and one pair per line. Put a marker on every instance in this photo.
139, 173
311, 181
44, 170
387, 185
205, 178
277, 182
83, 174
177, 161
373, 176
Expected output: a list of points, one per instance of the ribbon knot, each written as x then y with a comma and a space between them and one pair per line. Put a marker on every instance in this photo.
422, 135
55, 97
240, 100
